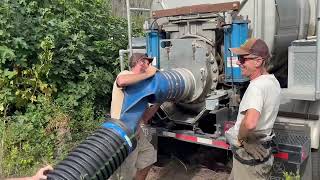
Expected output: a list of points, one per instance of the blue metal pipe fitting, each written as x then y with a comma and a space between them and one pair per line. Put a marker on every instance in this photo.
173, 85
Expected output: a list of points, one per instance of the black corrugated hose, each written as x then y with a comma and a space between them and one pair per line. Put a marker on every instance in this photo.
98, 156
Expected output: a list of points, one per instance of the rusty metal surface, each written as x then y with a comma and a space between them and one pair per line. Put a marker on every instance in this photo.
202, 8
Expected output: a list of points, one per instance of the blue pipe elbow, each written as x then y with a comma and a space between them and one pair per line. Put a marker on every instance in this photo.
163, 86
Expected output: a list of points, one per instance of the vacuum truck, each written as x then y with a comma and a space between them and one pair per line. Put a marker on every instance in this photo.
195, 35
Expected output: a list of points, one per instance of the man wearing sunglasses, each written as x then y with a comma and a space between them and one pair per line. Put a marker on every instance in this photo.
251, 136
138, 163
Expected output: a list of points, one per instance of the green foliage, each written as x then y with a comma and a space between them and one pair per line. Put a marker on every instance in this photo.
47, 44
58, 61
26, 140
291, 176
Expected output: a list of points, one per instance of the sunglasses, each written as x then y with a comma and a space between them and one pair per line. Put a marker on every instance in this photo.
243, 59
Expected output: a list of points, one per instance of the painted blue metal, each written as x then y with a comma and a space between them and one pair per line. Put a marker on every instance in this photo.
234, 36
163, 86
153, 46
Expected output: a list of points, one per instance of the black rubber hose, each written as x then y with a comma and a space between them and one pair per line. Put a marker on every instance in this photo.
99, 156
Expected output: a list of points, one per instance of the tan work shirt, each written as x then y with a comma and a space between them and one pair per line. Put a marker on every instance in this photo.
117, 97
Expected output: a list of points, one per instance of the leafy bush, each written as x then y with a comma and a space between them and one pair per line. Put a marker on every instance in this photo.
58, 60
291, 176
47, 44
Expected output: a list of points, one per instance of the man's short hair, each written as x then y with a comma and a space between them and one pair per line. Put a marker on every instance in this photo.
136, 57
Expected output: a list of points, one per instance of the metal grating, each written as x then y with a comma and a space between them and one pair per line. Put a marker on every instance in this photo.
304, 69
295, 144
295, 140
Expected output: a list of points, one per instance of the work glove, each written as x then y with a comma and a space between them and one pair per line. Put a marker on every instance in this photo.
256, 150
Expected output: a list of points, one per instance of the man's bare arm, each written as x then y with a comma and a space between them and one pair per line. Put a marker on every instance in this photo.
147, 115
248, 124
129, 79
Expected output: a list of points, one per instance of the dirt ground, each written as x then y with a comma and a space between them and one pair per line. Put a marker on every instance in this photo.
176, 170
185, 161
178, 160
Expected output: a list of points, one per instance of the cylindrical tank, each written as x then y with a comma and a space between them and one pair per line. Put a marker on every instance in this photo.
278, 22
264, 15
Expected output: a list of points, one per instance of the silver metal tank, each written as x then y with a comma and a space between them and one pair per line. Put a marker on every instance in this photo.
269, 18
278, 22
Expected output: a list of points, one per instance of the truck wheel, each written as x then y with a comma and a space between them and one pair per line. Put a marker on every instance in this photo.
315, 164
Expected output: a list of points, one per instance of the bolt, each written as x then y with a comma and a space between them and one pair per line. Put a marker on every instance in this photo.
215, 79
214, 70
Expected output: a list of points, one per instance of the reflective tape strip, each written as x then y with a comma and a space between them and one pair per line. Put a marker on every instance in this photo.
304, 154
121, 132
169, 134
190, 138
186, 137
222, 144
204, 141
282, 155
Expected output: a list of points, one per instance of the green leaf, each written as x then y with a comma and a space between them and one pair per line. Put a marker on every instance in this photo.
1, 107
19, 42
6, 54
9, 74
81, 57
